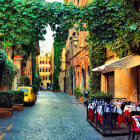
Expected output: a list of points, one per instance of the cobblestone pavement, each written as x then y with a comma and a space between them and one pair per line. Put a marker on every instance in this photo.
55, 116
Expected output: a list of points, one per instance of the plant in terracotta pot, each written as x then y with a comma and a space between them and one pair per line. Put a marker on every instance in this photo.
18, 100
78, 94
6, 103
108, 97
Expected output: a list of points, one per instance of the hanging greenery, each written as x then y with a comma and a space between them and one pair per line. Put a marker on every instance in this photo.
114, 24
111, 23
2, 56
97, 58
2, 61
8, 73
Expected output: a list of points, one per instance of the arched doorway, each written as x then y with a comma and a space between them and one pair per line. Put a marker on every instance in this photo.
74, 80
78, 79
88, 76
82, 79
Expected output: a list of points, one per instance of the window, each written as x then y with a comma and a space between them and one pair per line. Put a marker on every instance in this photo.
41, 62
46, 77
110, 83
78, 2
24, 89
40, 70
49, 70
46, 70
43, 70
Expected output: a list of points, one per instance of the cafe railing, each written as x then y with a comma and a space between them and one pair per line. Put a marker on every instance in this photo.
106, 121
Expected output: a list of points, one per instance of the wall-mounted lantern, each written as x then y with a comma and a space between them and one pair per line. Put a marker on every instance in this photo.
75, 41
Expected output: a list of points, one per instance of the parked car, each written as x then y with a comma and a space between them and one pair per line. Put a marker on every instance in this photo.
29, 96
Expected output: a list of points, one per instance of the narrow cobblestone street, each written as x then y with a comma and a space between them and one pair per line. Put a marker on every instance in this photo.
55, 116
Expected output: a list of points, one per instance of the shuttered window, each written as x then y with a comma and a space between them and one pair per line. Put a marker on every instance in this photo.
110, 83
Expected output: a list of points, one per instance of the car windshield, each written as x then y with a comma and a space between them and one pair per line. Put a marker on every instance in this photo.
24, 89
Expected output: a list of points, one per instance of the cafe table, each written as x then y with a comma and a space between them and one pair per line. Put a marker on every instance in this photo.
116, 109
131, 108
91, 113
136, 118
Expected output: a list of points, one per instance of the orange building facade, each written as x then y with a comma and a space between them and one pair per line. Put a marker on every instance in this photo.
77, 56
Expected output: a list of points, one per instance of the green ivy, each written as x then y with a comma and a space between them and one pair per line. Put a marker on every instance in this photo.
8, 73
97, 58
24, 80
113, 23
57, 54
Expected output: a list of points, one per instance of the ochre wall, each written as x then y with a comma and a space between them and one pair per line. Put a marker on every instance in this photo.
125, 80
126, 84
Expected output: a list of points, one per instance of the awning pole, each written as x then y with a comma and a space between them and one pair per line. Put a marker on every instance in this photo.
138, 84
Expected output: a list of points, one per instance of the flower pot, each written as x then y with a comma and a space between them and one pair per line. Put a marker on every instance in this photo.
76, 97
35, 97
17, 56
70, 92
5, 112
81, 99
18, 107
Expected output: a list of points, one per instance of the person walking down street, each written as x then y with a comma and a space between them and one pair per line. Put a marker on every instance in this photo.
85, 95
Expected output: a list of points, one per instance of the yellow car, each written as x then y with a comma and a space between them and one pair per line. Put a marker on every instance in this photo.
29, 96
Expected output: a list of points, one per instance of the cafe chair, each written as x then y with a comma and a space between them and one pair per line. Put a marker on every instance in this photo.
135, 113
128, 103
122, 106
111, 115
133, 130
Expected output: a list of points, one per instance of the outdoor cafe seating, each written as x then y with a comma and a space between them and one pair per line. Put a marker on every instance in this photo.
112, 118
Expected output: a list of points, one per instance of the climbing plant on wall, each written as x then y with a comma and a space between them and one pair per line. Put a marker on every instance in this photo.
113, 23
57, 54
8, 73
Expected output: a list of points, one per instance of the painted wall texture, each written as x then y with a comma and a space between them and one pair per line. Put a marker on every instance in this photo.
77, 55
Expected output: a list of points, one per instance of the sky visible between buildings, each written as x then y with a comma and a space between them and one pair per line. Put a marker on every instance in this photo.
47, 44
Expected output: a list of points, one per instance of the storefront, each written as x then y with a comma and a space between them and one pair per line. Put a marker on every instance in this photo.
122, 78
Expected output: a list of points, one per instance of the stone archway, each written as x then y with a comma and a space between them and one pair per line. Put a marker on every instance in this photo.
82, 79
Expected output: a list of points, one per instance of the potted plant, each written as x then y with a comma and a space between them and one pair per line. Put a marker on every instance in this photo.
18, 100
70, 92
100, 95
78, 94
6, 103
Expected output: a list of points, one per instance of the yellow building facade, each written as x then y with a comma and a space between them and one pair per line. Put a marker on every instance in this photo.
45, 70
63, 68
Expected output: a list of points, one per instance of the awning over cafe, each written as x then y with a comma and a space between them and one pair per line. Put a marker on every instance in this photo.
126, 62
